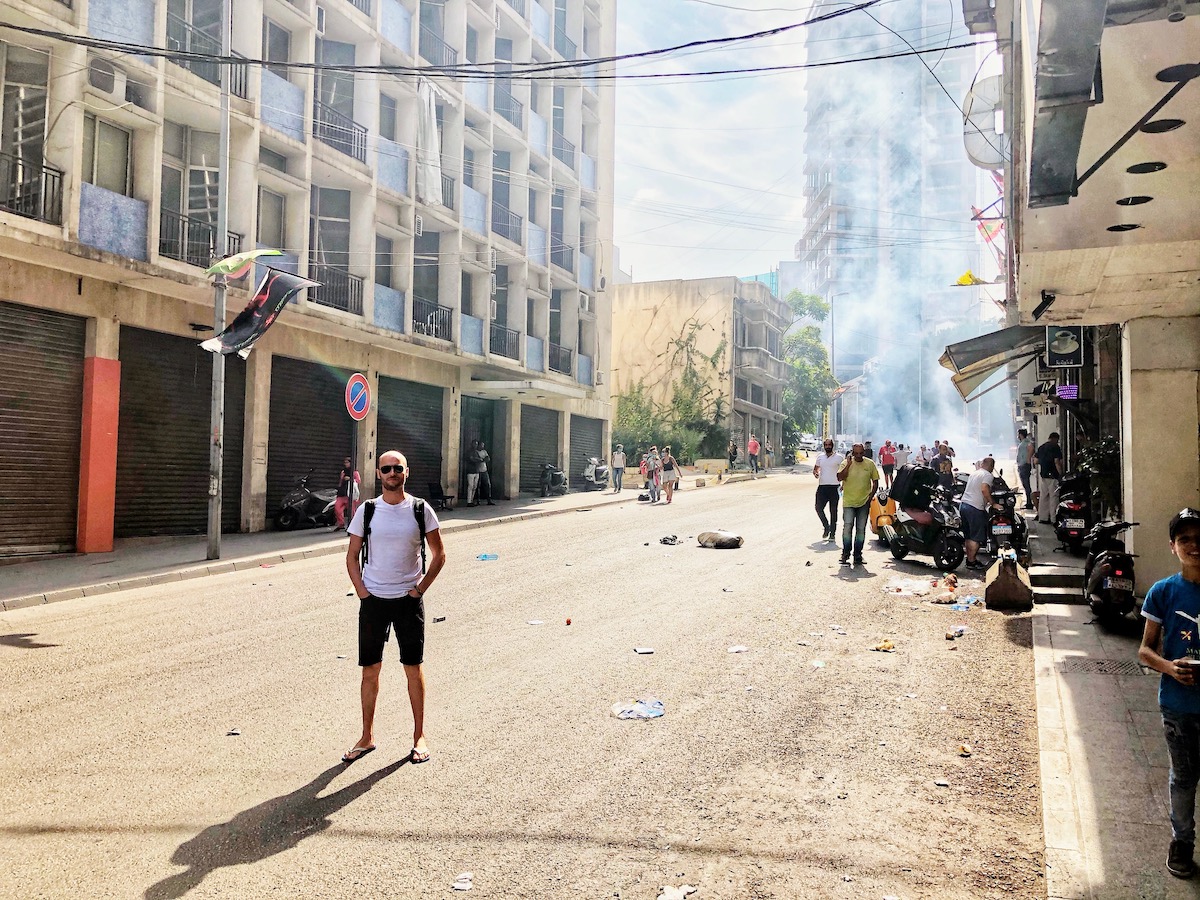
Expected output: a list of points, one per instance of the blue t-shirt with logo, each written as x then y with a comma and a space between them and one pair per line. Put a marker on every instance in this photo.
1175, 604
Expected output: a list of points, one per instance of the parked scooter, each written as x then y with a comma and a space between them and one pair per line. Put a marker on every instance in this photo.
1108, 574
554, 480
1073, 515
595, 475
927, 520
303, 507
1006, 527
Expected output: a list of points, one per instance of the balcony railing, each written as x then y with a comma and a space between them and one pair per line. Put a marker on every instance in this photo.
183, 35
562, 255
192, 240
339, 289
505, 342
560, 359
518, 5
447, 191
363, 6
506, 223
564, 150
339, 131
434, 49
510, 108
564, 45
29, 189
432, 320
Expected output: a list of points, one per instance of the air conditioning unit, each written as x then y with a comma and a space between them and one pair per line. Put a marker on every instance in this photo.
320, 21
418, 225
494, 259
494, 286
602, 284
585, 302
599, 378
494, 310
107, 79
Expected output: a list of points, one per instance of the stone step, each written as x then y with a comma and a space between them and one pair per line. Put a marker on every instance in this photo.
1055, 576
1068, 595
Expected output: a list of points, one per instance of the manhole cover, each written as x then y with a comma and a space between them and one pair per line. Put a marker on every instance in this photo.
1082, 666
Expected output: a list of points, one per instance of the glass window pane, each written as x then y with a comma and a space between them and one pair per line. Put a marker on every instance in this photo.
387, 117
174, 140
112, 158
383, 261
203, 149
335, 204
172, 189
271, 219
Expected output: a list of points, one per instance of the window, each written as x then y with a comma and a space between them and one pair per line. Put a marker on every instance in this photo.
383, 260
387, 117
468, 167
271, 219
272, 160
468, 288
276, 47
472, 47
330, 221
106, 156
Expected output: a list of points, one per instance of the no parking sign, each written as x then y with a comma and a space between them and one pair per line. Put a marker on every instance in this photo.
358, 396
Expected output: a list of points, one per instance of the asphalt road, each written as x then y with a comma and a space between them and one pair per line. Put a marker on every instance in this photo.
767, 776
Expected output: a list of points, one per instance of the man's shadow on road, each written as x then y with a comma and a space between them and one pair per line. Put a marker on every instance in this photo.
272, 827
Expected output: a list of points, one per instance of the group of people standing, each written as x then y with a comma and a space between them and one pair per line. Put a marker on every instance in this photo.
858, 478
757, 454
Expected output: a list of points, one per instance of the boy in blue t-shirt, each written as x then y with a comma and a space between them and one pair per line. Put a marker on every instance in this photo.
1171, 645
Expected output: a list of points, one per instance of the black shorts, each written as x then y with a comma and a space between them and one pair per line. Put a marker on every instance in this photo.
887, 470
376, 617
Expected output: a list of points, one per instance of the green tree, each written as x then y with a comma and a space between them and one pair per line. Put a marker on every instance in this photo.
810, 383
807, 306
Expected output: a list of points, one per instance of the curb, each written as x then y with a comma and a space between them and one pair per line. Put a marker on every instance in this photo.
254, 562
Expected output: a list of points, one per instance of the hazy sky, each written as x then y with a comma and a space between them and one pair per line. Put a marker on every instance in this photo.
709, 170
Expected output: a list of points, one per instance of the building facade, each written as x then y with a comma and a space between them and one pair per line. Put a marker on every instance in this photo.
462, 258
729, 329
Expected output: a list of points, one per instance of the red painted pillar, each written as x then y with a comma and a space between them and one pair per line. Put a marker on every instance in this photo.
98, 455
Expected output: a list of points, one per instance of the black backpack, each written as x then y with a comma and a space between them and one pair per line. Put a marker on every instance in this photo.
369, 511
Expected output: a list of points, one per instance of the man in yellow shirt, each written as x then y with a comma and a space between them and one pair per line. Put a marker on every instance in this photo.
860, 481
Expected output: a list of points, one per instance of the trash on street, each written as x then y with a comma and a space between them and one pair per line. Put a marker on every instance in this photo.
670, 540
738, 648
646, 708
536, 622
964, 750
676, 893
720, 540
464, 882
956, 632
643, 651
885, 646
907, 587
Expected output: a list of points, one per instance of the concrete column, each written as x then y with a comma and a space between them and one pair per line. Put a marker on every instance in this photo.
451, 451
98, 437
256, 429
512, 445
564, 443
367, 438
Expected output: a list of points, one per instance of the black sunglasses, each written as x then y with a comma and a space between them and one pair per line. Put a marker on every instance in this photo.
388, 470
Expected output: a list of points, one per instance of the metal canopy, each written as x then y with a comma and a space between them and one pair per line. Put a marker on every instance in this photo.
975, 360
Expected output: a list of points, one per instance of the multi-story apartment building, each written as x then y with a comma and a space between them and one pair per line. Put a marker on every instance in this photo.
728, 329
471, 293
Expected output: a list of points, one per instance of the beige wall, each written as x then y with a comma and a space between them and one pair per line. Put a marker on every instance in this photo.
1160, 424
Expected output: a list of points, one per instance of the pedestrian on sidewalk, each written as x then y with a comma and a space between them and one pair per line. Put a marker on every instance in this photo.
485, 478
902, 454
860, 481
732, 452
943, 465
869, 451
654, 473
391, 588
973, 507
473, 463
670, 473
1171, 645
752, 449
347, 493
770, 452
825, 470
616, 462
1050, 468
1025, 464
887, 459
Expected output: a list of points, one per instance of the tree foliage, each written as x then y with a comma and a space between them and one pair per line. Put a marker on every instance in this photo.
810, 383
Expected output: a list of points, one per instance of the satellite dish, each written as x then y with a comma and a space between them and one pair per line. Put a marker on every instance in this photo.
986, 148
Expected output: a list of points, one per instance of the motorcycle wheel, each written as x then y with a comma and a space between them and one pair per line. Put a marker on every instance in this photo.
287, 520
1076, 548
899, 550
949, 555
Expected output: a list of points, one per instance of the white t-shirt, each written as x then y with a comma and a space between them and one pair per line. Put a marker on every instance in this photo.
618, 459
973, 494
901, 458
394, 551
828, 467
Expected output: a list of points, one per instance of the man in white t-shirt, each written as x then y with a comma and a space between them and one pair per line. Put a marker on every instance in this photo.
976, 500
390, 588
825, 469
901, 454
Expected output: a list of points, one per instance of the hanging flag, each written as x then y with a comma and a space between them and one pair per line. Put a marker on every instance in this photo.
239, 265
273, 293
989, 228
968, 279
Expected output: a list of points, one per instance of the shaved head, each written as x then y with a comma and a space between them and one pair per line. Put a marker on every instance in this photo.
394, 456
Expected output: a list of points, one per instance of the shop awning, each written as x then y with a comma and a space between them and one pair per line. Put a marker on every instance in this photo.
974, 361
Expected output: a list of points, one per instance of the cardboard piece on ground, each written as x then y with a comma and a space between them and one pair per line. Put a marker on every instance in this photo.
1007, 586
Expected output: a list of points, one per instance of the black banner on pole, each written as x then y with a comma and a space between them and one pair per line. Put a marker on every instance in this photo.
273, 294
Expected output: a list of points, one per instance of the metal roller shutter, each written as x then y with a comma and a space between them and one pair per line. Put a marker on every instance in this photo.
479, 424
41, 413
310, 428
162, 441
539, 444
410, 420
586, 437
739, 434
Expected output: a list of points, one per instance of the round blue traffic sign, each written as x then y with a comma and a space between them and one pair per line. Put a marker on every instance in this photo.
358, 396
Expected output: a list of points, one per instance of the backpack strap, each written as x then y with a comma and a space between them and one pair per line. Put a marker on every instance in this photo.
368, 511
419, 515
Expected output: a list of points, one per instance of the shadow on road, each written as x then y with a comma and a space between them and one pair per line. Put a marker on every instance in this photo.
856, 573
272, 827
1018, 628
23, 641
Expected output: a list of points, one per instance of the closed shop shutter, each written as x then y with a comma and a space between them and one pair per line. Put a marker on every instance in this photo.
310, 428
41, 412
410, 420
479, 424
740, 435
162, 441
539, 444
586, 435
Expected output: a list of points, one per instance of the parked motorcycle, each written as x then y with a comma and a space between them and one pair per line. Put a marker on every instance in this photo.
1073, 515
1108, 573
927, 520
960, 483
303, 507
595, 475
1006, 527
553, 480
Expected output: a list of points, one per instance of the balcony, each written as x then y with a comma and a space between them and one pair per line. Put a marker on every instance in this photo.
760, 360
182, 35
564, 150
537, 245
560, 359
564, 45
539, 133
339, 289
506, 223
432, 320
518, 5
447, 191
363, 6
589, 172
32, 190
192, 240
435, 50
339, 131
535, 354
510, 108
505, 342
562, 255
